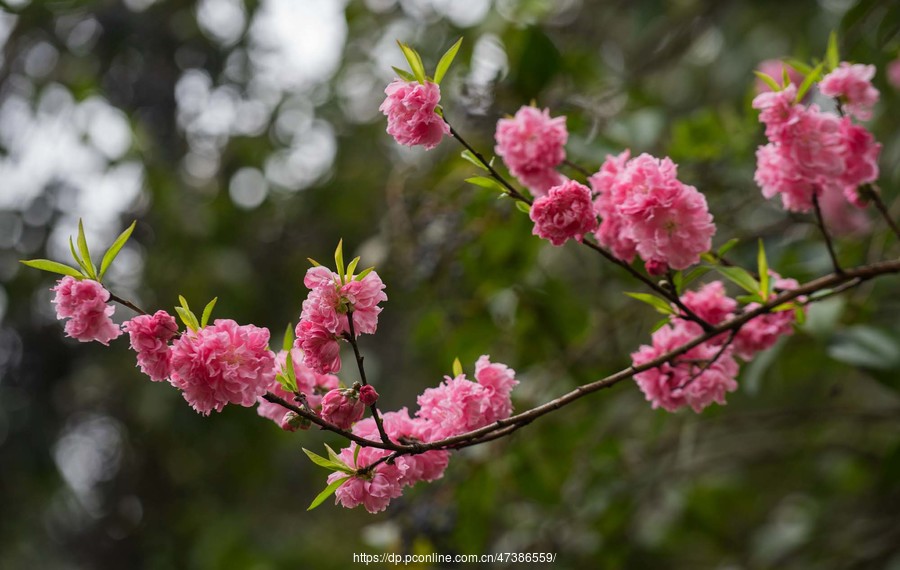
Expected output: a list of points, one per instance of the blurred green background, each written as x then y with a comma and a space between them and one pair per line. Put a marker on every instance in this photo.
245, 137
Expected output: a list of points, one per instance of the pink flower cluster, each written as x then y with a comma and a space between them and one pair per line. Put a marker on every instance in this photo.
705, 373
310, 383
150, 336
83, 302
410, 109
344, 407
565, 213
221, 364
813, 152
852, 84
456, 406
532, 145
323, 321
646, 210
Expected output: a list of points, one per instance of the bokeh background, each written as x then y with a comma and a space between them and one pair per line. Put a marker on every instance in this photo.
245, 137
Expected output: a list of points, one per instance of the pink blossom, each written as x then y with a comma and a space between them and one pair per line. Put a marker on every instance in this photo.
399, 426
342, 407
841, 217
612, 233
777, 175
83, 302
565, 213
775, 69
292, 421
373, 489
852, 84
778, 110
328, 301
221, 364
498, 381
368, 395
668, 221
893, 73
363, 298
150, 336
532, 145
710, 303
860, 160
320, 347
410, 109
764, 331
699, 377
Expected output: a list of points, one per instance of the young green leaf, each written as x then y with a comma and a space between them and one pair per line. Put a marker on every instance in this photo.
457, 367
319, 460
661, 305
362, 274
709, 258
334, 456
523, 207
485, 182
313, 262
808, 81
727, 246
740, 277
207, 312
52, 267
800, 66
694, 274
800, 314
327, 492
762, 265
415, 61
290, 374
352, 267
768, 80
188, 318
832, 54
404, 75
356, 449
85, 254
752, 298
288, 343
470, 156
659, 324
78, 260
446, 60
339, 260
114, 249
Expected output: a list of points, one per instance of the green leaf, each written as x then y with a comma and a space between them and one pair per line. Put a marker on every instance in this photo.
457, 367
709, 258
207, 312
288, 343
356, 449
740, 277
832, 54
352, 267
768, 80
727, 246
811, 78
658, 325
414, 60
52, 267
444, 64
661, 305
114, 249
362, 274
85, 254
404, 75
800, 315
327, 492
485, 182
762, 265
290, 374
333, 456
188, 318
523, 207
339, 260
470, 156
694, 274
800, 66
313, 262
327, 463
78, 260
747, 299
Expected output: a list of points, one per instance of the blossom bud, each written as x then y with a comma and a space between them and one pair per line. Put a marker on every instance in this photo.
342, 408
292, 421
368, 395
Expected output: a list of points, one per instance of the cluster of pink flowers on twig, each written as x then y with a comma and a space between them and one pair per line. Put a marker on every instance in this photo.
311, 384
456, 406
84, 303
812, 152
410, 110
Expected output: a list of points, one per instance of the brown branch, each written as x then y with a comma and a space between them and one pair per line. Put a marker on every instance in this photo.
821, 223
871, 192
127, 303
351, 338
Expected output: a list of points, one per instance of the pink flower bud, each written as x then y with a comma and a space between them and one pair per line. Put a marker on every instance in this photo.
368, 395
292, 421
342, 408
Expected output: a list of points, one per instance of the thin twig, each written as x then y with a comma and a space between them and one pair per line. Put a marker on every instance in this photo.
821, 223
127, 303
706, 365
873, 194
351, 338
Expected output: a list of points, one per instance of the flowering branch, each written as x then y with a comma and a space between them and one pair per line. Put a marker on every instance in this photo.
351, 338
127, 303
871, 192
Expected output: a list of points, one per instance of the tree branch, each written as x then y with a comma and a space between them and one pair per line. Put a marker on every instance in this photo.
351, 338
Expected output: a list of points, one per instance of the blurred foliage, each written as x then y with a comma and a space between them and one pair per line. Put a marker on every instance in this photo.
246, 157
